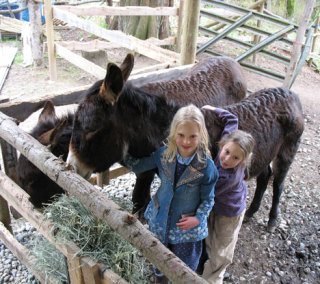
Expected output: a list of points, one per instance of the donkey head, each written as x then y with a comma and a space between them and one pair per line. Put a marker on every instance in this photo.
54, 133
95, 120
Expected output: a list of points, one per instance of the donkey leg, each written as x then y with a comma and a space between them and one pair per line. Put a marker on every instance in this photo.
278, 185
261, 186
280, 168
141, 192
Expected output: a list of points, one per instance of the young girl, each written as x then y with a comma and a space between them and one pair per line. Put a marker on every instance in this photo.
226, 218
178, 212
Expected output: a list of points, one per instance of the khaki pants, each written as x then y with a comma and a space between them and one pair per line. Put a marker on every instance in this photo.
220, 245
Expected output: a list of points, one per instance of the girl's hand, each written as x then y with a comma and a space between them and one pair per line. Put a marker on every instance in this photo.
187, 223
208, 107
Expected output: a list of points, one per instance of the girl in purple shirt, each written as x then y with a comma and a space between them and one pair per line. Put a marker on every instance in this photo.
225, 220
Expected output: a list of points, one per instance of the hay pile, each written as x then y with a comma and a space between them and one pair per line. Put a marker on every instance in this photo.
73, 222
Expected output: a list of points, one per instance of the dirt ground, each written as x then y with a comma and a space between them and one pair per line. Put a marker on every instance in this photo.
289, 255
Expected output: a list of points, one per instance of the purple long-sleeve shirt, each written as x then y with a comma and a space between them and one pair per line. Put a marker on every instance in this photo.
231, 189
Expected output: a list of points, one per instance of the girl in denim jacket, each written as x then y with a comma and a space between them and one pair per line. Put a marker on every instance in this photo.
177, 213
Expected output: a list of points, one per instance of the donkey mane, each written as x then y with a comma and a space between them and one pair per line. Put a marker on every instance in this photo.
144, 103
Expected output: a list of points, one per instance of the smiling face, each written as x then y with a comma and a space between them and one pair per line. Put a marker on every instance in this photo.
231, 155
187, 138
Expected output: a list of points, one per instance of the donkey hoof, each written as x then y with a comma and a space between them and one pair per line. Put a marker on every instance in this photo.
271, 225
247, 219
247, 216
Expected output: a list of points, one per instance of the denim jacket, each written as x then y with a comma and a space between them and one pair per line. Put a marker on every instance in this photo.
193, 195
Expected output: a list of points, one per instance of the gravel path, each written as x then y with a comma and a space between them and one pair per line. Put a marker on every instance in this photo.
11, 270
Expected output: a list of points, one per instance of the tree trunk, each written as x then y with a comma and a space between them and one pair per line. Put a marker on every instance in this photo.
36, 32
143, 27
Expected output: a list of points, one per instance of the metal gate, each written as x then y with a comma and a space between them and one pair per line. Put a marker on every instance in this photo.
243, 30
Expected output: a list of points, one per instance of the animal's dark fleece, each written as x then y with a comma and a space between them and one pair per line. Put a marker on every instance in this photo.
275, 119
55, 133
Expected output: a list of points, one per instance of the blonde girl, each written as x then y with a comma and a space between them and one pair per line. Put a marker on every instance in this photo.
177, 213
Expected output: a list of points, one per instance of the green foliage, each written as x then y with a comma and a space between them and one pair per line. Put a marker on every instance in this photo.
18, 58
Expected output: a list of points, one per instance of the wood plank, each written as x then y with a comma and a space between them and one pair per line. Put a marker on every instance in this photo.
7, 54
23, 254
127, 41
121, 11
80, 62
100, 44
50, 40
152, 68
21, 109
74, 267
117, 170
91, 272
110, 277
10, 24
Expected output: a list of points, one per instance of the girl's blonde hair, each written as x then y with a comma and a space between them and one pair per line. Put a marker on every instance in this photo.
244, 140
185, 114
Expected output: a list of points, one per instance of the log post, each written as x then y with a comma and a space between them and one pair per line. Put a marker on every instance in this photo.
297, 45
257, 38
5, 214
9, 157
189, 31
98, 204
50, 40
36, 31
179, 29
315, 38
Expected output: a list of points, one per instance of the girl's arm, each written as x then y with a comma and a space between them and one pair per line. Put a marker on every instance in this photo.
229, 120
141, 165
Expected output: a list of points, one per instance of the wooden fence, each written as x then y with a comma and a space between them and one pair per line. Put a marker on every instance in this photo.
187, 14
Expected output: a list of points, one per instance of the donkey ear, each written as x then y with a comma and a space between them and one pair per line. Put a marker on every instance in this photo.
50, 137
112, 84
57, 131
127, 66
48, 112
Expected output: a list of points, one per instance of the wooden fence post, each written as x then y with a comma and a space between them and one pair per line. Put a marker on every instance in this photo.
189, 31
179, 29
50, 40
5, 214
297, 45
316, 35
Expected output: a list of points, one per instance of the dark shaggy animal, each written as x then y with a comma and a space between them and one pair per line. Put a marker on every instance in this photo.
274, 118
55, 133
117, 117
